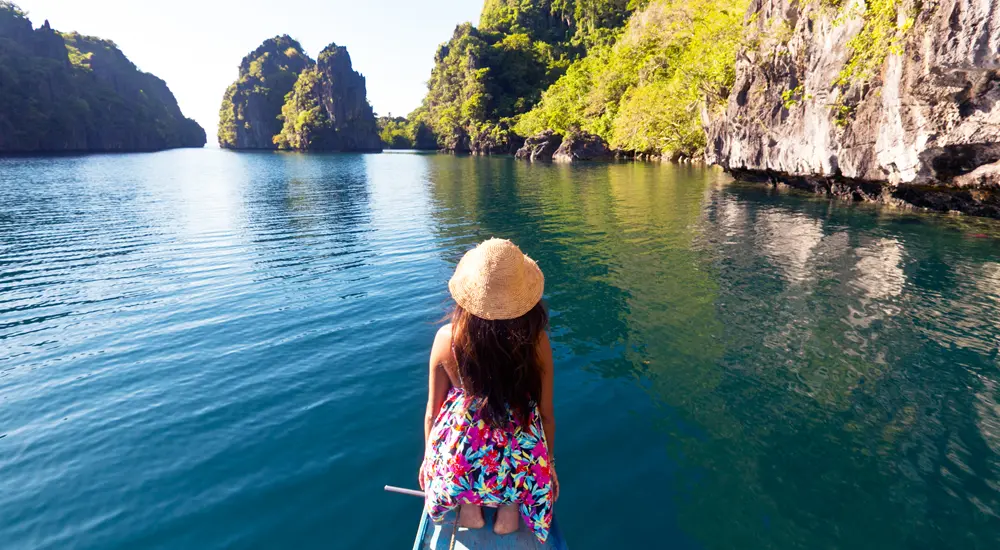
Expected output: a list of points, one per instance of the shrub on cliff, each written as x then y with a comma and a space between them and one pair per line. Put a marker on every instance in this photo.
305, 120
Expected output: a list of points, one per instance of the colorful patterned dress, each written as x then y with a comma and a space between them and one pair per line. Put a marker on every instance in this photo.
469, 462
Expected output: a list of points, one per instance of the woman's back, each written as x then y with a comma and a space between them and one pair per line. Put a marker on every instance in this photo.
489, 423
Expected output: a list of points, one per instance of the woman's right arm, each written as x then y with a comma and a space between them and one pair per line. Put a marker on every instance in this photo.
438, 381
438, 386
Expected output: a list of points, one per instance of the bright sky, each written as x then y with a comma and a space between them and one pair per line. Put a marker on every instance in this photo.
196, 45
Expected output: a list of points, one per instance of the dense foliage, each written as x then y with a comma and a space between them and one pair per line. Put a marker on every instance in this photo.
568, 23
305, 121
69, 92
394, 132
635, 72
645, 92
483, 78
248, 117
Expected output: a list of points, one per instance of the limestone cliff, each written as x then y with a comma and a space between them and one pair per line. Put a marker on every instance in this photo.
251, 105
328, 109
893, 100
69, 92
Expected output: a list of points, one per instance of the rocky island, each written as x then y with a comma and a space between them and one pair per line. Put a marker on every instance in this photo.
285, 100
62, 92
248, 118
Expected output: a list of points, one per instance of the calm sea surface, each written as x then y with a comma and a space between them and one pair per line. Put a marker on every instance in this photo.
203, 349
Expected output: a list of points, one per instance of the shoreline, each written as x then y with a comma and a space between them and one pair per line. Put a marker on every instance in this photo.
83, 152
941, 197
982, 202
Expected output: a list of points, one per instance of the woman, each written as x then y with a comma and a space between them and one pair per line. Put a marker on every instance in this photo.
489, 425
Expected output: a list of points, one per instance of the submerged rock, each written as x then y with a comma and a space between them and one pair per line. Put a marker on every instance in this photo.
540, 146
918, 122
328, 109
582, 146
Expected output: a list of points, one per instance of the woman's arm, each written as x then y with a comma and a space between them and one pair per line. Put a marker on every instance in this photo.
438, 381
545, 407
437, 388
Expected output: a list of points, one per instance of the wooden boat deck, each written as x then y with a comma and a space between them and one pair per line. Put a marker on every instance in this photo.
437, 536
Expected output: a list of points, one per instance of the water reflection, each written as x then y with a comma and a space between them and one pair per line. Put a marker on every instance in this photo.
849, 415
789, 240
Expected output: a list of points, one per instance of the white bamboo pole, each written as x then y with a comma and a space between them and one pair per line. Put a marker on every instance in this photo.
403, 491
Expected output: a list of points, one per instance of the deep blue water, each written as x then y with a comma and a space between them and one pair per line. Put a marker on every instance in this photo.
204, 349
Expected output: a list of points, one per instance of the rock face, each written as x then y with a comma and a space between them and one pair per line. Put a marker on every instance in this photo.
925, 117
540, 146
328, 109
582, 146
68, 92
248, 118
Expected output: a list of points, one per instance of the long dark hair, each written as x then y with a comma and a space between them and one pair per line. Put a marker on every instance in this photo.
498, 362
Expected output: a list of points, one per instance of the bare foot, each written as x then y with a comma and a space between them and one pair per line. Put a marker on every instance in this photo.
470, 516
507, 519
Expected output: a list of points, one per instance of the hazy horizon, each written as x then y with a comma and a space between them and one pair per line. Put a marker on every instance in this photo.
196, 47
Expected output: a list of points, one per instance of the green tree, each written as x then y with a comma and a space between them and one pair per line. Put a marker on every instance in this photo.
486, 75
644, 93
394, 132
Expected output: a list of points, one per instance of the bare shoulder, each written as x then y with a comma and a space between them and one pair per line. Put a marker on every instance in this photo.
442, 344
544, 350
443, 336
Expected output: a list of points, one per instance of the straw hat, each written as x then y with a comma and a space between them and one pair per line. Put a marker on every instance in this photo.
497, 281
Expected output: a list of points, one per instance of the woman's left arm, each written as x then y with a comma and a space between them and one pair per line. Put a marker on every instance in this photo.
546, 408
438, 381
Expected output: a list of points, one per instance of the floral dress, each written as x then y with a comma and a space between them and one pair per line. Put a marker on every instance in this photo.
469, 462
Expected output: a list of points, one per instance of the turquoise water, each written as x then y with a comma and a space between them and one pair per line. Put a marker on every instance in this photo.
203, 349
